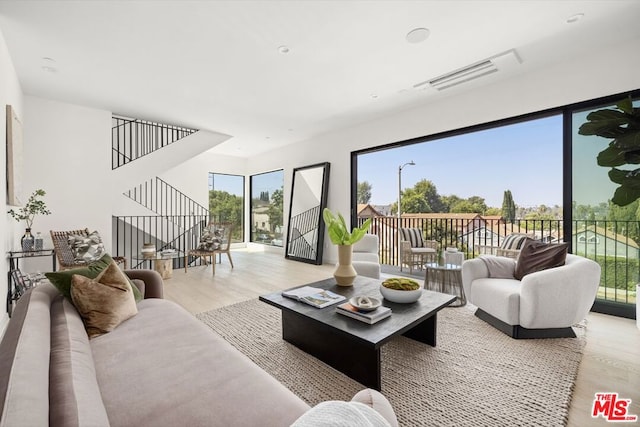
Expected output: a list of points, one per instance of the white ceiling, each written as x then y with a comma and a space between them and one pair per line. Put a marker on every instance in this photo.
215, 65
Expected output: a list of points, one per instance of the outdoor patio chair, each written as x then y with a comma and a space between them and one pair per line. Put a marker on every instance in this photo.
510, 246
416, 251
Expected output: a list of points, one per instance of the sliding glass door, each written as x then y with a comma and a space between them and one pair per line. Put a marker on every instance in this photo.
603, 230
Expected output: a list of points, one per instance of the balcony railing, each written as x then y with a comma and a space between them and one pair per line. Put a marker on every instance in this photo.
612, 244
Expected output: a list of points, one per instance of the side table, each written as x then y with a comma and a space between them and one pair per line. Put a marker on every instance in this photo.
16, 283
447, 279
162, 262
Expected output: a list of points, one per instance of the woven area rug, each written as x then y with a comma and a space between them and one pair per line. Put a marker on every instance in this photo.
475, 376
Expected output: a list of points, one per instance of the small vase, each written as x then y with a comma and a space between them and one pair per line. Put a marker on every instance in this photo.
39, 242
345, 274
27, 240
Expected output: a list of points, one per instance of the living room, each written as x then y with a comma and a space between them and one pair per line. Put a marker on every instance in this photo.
66, 139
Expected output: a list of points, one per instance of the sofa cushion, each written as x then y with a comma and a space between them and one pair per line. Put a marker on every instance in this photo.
86, 249
379, 402
24, 360
538, 256
413, 236
499, 267
338, 413
74, 394
62, 279
164, 352
104, 302
514, 241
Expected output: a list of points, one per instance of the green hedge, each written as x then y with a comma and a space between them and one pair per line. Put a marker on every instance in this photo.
619, 273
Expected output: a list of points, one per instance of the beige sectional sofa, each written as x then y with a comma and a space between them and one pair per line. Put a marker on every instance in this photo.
162, 367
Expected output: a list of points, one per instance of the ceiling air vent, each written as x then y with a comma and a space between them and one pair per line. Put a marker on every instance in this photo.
500, 62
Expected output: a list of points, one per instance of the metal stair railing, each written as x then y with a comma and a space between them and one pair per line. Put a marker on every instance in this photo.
135, 138
164, 199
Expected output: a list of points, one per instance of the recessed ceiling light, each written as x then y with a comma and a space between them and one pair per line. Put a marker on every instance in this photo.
48, 65
417, 35
374, 95
283, 49
575, 18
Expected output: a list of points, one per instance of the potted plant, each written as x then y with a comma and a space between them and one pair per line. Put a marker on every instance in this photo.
340, 235
27, 213
622, 126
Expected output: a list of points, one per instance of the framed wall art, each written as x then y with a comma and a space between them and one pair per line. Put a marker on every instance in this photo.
14, 157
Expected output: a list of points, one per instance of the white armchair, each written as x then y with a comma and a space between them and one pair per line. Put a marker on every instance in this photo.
544, 304
365, 259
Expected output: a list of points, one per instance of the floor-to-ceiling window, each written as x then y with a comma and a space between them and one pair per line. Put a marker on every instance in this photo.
267, 207
534, 174
603, 230
226, 202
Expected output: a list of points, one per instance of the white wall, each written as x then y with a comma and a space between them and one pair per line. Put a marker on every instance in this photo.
68, 154
578, 79
10, 94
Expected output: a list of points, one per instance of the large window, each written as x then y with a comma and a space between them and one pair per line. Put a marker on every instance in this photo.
226, 202
534, 174
603, 230
267, 208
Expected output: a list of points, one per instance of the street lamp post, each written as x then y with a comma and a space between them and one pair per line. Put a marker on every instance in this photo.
411, 163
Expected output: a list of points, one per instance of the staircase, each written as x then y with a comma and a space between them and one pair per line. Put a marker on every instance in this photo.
177, 220
134, 138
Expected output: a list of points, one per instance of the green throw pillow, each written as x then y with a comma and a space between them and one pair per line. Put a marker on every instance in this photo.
62, 279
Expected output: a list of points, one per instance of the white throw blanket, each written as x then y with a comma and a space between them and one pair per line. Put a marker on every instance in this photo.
341, 414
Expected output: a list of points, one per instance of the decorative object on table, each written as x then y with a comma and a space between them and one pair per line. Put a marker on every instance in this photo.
339, 234
148, 251
622, 126
369, 316
316, 297
365, 303
39, 241
27, 213
305, 232
27, 242
401, 290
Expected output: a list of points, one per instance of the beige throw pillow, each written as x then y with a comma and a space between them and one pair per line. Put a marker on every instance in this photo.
104, 302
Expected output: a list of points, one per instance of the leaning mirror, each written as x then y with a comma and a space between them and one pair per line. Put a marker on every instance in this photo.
305, 233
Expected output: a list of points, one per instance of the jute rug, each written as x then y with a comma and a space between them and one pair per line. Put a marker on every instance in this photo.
475, 376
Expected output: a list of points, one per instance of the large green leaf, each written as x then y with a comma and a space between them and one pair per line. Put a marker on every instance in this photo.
632, 157
605, 130
628, 139
625, 195
627, 178
626, 105
611, 156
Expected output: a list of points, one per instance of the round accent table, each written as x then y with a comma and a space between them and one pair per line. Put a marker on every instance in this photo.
447, 279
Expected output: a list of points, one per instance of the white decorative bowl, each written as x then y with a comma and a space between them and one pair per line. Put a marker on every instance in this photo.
395, 295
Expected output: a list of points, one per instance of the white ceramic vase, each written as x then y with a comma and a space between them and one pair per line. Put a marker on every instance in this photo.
345, 274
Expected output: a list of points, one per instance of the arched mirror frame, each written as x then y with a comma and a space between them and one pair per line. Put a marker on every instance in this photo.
306, 245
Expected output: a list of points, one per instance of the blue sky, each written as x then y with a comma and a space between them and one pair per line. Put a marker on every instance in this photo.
525, 158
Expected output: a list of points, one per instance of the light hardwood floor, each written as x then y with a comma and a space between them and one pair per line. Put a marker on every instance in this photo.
611, 360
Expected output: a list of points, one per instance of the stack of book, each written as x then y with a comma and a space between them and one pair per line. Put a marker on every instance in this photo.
316, 297
369, 317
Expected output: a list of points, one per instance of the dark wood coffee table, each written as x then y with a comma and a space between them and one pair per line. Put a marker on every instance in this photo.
351, 346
